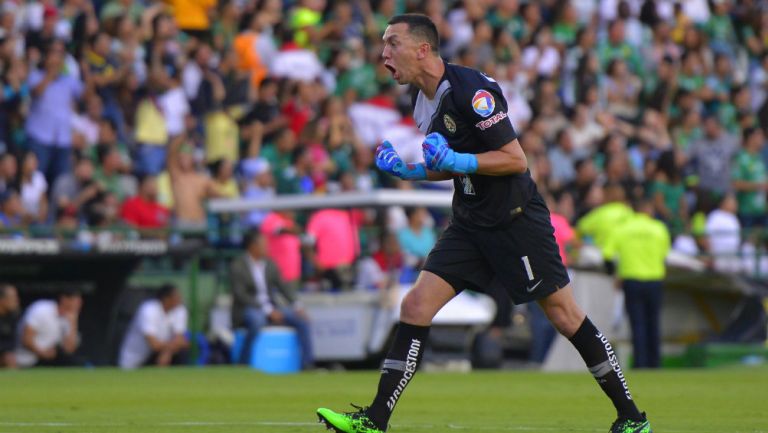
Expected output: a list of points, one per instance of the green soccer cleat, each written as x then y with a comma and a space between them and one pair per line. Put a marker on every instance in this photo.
350, 422
623, 425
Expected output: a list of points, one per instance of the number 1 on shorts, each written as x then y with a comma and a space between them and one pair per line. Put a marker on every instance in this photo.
528, 269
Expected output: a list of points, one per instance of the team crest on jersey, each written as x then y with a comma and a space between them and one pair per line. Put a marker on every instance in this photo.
483, 103
450, 125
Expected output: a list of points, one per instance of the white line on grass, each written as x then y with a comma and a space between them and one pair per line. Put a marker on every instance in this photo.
511, 428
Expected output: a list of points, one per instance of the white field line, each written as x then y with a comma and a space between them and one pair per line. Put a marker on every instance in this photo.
458, 427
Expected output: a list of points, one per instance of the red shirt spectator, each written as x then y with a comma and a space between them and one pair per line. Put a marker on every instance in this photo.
143, 210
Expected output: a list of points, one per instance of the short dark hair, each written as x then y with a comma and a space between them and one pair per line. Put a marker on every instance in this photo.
165, 291
70, 292
251, 237
420, 26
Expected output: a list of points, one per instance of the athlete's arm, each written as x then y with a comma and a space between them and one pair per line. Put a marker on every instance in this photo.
439, 175
509, 159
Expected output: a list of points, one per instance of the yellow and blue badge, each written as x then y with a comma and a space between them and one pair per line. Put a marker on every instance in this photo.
483, 103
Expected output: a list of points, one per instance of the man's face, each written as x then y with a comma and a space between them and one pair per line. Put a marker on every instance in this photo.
10, 299
71, 304
401, 53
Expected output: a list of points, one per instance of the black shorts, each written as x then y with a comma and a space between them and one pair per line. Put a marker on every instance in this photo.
522, 257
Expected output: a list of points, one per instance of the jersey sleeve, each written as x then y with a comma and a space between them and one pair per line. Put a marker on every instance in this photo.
485, 110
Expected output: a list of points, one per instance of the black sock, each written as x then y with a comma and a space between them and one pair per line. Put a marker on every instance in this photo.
398, 369
603, 363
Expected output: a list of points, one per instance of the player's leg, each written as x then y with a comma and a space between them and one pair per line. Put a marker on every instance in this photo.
428, 295
569, 319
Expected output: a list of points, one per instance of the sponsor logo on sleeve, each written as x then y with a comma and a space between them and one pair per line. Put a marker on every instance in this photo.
483, 103
487, 123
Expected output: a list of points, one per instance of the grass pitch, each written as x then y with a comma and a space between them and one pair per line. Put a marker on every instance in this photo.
239, 400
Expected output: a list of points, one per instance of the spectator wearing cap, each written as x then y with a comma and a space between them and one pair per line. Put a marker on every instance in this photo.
259, 185
49, 124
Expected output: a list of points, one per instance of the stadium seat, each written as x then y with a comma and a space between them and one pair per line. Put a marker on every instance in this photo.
276, 351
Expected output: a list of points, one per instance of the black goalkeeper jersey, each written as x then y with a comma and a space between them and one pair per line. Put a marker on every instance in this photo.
470, 111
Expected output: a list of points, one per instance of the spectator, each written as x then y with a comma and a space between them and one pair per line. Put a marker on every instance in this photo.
562, 159
49, 124
284, 245
711, 157
723, 236
190, 187
259, 185
72, 190
9, 171
261, 297
334, 237
11, 209
668, 191
49, 332
384, 269
143, 210
417, 238
9, 317
616, 47
622, 90
223, 178
750, 181
640, 245
157, 333
109, 173
192, 17
34, 190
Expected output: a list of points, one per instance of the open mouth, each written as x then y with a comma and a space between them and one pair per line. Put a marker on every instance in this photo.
392, 69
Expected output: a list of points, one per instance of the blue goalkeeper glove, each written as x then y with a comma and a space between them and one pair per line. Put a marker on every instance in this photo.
389, 161
439, 157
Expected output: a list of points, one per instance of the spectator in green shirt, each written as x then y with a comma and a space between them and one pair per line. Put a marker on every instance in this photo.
719, 29
668, 191
640, 246
617, 47
749, 179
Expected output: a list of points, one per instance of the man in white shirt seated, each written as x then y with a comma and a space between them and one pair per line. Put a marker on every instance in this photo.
157, 334
48, 332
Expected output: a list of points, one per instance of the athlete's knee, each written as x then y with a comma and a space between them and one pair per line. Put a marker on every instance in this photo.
564, 314
416, 309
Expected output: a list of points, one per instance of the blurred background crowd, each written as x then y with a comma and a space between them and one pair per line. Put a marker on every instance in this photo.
132, 114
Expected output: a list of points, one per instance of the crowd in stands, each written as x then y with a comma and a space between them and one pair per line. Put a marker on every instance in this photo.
134, 113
